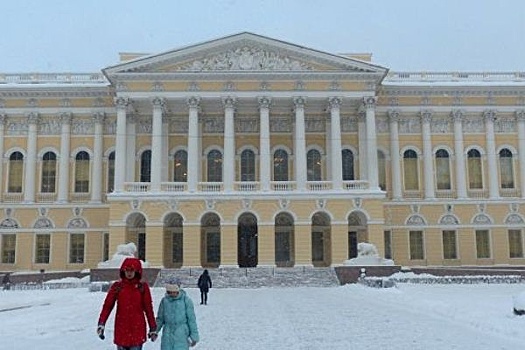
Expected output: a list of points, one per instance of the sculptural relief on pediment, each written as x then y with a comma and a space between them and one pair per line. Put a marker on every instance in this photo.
246, 58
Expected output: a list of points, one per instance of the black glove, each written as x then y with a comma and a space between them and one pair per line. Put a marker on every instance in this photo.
152, 335
100, 331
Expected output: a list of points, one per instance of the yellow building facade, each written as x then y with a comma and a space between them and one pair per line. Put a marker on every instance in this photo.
248, 151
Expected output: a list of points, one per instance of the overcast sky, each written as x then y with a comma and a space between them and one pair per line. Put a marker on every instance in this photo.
403, 35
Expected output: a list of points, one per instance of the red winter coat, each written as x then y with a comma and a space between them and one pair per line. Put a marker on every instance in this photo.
133, 299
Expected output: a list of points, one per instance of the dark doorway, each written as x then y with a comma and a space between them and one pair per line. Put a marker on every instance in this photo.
352, 245
247, 241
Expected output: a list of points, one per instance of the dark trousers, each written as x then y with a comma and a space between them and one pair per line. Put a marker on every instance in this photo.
204, 297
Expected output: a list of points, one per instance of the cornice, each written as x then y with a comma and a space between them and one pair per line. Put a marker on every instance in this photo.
451, 91
20, 92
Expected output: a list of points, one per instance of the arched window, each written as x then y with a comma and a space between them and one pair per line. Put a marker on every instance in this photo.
313, 165
443, 170
381, 170
111, 172
16, 172
411, 173
506, 169
180, 166
214, 166
49, 173
145, 166
280, 165
475, 172
348, 165
247, 165
82, 172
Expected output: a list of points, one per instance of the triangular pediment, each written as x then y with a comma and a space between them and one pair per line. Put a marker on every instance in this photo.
244, 52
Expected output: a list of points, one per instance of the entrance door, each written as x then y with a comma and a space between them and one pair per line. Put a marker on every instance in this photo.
247, 241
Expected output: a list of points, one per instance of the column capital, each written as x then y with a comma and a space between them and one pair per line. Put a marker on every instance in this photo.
369, 102
458, 115
98, 117
489, 115
193, 102
229, 102
160, 103
3, 118
426, 116
264, 102
33, 117
393, 115
299, 101
520, 115
334, 102
122, 102
66, 117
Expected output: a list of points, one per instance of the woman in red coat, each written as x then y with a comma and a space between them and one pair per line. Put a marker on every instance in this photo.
133, 299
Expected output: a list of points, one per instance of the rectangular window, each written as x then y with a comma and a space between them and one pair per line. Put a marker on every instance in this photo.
482, 244
76, 248
42, 249
515, 244
82, 176
416, 245
105, 246
16, 176
8, 248
449, 245
388, 244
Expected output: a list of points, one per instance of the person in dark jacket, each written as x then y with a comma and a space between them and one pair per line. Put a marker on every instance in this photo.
204, 285
134, 307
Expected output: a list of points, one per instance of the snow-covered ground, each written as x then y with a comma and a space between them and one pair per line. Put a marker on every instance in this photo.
410, 316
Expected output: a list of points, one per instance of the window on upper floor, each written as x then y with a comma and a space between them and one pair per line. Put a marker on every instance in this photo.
49, 173
145, 166
475, 170
111, 172
214, 162
506, 169
411, 171
247, 165
313, 165
443, 170
180, 166
348, 165
280, 165
82, 172
16, 172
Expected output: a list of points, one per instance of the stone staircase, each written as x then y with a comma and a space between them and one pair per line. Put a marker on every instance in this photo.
253, 277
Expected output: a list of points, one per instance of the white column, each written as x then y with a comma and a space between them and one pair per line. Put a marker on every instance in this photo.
156, 144
520, 117
490, 116
334, 103
395, 160
131, 149
98, 146
428, 173
120, 147
300, 144
65, 140
371, 142
228, 164
461, 179
3, 118
361, 132
264, 143
165, 149
193, 144
30, 174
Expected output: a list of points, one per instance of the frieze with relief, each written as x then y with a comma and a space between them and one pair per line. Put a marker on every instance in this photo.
82, 127
315, 124
144, 125
246, 58
281, 124
474, 125
247, 125
409, 125
179, 125
110, 127
212, 125
16, 127
49, 127
349, 124
440, 125
382, 125
505, 125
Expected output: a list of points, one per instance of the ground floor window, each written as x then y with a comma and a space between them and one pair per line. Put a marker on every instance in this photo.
76, 248
416, 245
387, 237
8, 248
515, 244
449, 245
482, 244
42, 248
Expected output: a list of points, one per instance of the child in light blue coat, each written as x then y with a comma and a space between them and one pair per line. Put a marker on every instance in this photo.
176, 318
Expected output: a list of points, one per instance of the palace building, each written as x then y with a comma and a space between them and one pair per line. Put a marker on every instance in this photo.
247, 151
